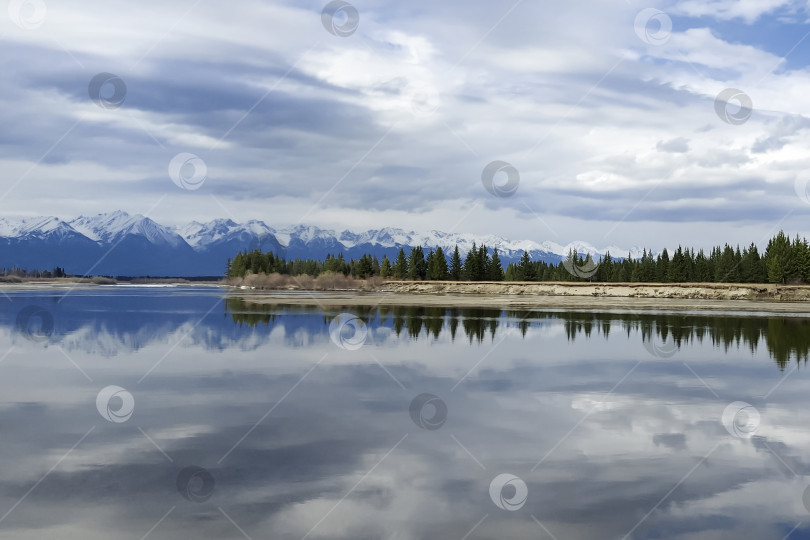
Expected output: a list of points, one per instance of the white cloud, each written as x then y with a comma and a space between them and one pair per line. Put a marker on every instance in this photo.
747, 10
396, 122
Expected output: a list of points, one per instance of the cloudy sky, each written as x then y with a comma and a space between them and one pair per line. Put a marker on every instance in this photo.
386, 113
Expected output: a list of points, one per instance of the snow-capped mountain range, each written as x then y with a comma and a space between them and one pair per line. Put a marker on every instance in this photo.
121, 244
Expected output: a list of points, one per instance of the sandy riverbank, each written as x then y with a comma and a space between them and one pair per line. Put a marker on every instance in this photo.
687, 297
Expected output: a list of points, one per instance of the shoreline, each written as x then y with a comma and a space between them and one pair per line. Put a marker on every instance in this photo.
687, 297
691, 297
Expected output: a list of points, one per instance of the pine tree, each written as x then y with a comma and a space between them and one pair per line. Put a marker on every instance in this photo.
417, 269
703, 268
648, 267
803, 261
429, 264
777, 256
483, 263
365, 267
511, 272
439, 268
385, 267
796, 269
495, 269
401, 265
662, 267
678, 270
527, 271
637, 275
455, 265
759, 273
471, 270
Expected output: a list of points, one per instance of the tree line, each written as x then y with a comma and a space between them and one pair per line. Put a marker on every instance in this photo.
785, 260
480, 264
14, 271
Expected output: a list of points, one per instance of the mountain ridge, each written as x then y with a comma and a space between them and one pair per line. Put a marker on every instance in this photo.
118, 243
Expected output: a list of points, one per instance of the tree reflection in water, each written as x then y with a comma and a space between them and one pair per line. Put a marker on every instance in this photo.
784, 337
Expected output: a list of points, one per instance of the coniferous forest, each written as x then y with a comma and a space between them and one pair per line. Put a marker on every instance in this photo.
785, 261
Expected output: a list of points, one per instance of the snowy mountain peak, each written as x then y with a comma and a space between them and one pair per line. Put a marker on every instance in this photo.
196, 248
111, 227
218, 231
36, 226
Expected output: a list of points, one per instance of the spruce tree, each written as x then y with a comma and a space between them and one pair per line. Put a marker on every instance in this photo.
455, 265
401, 265
677, 267
803, 261
797, 261
417, 269
495, 269
527, 271
759, 273
365, 267
662, 267
511, 272
429, 265
777, 256
385, 267
439, 269
483, 263
471, 271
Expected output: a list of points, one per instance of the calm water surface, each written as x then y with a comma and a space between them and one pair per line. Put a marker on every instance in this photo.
170, 413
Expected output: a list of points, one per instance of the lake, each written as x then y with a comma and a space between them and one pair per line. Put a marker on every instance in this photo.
179, 412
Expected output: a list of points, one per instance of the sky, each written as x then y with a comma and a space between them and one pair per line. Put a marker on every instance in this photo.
615, 123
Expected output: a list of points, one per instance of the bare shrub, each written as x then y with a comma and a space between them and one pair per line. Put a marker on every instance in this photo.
328, 281
331, 281
304, 281
267, 281
372, 284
